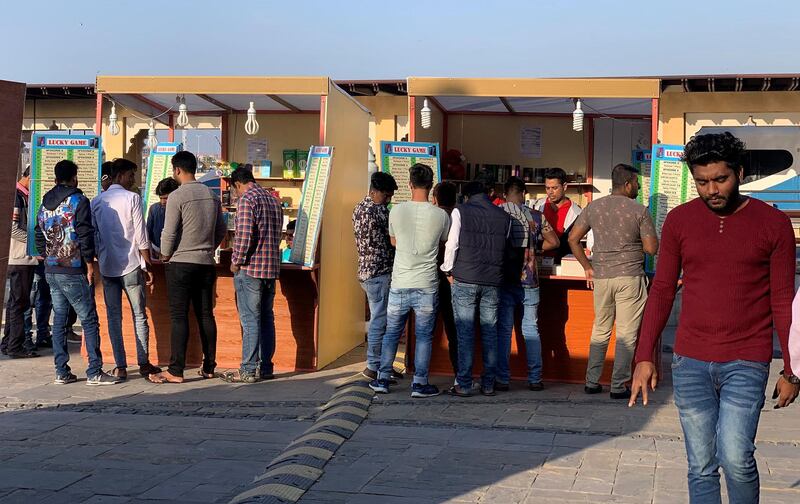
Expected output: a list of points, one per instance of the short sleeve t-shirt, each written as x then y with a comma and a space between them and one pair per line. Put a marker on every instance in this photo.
418, 228
619, 224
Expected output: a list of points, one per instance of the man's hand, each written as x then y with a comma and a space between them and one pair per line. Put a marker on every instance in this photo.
235, 268
148, 280
785, 393
450, 279
645, 375
90, 273
165, 258
589, 277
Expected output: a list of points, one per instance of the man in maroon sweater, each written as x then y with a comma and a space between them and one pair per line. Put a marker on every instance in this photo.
737, 255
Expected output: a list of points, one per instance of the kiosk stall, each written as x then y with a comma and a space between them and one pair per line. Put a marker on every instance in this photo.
521, 127
319, 307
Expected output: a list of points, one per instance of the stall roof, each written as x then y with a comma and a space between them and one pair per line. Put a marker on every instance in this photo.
540, 96
216, 95
59, 91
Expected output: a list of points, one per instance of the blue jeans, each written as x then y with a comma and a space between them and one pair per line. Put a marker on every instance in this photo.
466, 298
254, 299
510, 298
134, 286
74, 291
377, 290
41, 306
719, 405
424, 302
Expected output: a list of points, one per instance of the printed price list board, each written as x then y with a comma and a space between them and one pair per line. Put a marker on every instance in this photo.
315, 187
47, 150
641, 161
159, 167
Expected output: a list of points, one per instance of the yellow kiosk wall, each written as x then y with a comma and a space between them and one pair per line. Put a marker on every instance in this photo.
282, 131
341, 306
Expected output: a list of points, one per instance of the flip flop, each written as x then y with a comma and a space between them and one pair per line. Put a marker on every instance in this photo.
205, 376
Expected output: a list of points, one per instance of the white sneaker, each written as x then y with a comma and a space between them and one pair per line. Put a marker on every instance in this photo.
102, 379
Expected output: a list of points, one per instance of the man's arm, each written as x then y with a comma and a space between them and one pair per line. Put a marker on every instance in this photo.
550, 239
85, 230
451, 247
647, 231
392, 218
18, 233
781, 284
172, 221
41, 243
242, 239
139, 229
794, 337
579, 230
221, 228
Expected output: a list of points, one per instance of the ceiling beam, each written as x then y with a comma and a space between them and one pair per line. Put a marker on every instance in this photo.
507, 105
284, 103
215, 102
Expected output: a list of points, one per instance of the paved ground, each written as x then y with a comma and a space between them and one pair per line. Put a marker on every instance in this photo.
205, 441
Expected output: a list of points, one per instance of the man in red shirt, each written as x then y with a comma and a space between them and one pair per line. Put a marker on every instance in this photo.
559, 210
737, 255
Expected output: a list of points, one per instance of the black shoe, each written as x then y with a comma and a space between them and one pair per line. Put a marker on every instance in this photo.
397, 375
44, 344
536, 387
25, 354
621, 395
369, 373
502, 387
488, 391
593, 390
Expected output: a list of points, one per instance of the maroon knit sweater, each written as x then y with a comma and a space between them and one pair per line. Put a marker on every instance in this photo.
738, 280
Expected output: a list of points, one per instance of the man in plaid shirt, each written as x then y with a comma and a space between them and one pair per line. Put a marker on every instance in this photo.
255, 265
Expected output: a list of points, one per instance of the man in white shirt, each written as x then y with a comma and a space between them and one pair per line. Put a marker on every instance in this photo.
123, 252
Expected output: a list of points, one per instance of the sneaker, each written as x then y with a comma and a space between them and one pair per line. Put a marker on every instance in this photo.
380, 386
536, 386
426, 390
397, 375
25, 354
102, 379
502, 387
64, 379
45, 343
488, 391
369, 373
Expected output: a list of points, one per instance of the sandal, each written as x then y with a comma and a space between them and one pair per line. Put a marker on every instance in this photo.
120, 372
237, 377
205, 375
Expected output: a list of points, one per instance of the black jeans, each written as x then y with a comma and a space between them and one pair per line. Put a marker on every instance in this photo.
20, 279
448, 319
191, 283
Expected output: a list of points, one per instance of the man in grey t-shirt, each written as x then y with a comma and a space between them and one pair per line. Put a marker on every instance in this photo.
416, 228
623, 233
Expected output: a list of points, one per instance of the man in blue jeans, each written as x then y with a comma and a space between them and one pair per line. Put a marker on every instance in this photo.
375, 259
255, 265
65, 237
521, 285
473, 260
737, 257
123, 254
416, 229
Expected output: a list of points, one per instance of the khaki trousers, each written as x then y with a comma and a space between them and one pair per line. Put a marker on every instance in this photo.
622, 300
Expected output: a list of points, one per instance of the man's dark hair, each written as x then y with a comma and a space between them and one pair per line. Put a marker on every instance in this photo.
105, 169
242, 176
486, 178
473, 188
291, 225
622, 174
27, 171
445, 193
186, 161
421, 176
166, 186
556, 173
382, 182
65, 171
514, 185
713, 148
120, 166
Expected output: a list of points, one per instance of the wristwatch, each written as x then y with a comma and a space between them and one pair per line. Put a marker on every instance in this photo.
794, 380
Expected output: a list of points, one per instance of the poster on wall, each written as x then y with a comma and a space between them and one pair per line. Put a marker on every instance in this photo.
46, 151
159, 167
641, 161
398, 157
530, 141
306, 233
671, 184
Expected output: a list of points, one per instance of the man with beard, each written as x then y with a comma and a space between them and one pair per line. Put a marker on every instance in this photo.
737, 255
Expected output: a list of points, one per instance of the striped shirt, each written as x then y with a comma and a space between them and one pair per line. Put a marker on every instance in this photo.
256, 246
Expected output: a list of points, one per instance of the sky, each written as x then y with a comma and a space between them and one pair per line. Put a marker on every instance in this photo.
72, 42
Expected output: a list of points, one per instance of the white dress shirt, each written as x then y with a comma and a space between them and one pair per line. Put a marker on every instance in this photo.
119, 230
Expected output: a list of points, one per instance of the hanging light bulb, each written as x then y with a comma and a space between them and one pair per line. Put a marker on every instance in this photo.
425, 115
372, 165
251, 126
152, 141
113, 126
183, 118
577, 116
750, 121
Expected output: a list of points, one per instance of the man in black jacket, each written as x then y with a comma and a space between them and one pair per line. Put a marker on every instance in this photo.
473, 262
65, 237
